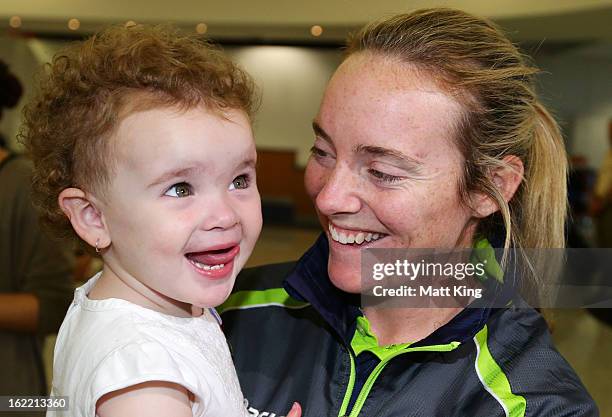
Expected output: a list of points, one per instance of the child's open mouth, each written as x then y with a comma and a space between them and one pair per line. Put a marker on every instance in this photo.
214, 263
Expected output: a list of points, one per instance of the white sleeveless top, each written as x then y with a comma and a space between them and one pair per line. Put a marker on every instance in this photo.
106, 345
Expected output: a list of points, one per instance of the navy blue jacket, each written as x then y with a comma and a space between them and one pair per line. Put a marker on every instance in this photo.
296, 337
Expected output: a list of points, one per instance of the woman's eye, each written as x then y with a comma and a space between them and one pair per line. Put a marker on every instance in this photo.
386, 178
180, 190
317, 152
240, 182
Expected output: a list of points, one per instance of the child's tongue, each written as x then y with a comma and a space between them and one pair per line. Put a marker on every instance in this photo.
214, 257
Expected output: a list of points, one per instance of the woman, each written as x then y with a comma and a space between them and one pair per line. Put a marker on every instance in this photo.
429, 135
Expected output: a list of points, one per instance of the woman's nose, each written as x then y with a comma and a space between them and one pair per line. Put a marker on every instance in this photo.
340, 192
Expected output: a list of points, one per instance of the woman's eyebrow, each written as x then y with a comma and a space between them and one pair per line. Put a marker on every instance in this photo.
390, 153
401, 157
318, 130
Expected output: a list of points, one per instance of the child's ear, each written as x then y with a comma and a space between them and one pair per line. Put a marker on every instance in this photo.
87, 220
507, 179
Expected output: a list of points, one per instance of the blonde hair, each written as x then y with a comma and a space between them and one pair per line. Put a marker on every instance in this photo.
475, 61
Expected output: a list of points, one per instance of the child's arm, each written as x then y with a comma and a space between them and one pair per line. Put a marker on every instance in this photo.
150, 399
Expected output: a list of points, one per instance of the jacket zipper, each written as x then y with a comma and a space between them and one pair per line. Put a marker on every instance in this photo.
349, 388
367, 386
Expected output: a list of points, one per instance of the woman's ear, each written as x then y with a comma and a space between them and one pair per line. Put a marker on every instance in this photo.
87, 221
507, 179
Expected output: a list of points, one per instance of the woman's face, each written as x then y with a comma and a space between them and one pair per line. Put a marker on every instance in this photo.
385, 169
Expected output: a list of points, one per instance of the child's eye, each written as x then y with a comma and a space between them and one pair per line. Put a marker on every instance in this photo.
180, 190
240, 182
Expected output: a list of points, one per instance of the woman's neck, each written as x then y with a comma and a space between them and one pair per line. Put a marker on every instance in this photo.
406, 325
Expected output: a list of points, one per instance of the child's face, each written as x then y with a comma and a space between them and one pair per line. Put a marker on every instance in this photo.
183, 211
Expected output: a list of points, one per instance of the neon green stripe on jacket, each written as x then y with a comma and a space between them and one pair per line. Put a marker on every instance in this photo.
263, 298
494, 379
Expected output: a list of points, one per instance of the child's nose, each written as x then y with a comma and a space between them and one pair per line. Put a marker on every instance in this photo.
219, 213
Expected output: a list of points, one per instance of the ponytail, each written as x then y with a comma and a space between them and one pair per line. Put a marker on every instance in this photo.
544, 204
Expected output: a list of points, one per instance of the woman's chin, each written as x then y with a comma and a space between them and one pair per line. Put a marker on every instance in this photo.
345, 278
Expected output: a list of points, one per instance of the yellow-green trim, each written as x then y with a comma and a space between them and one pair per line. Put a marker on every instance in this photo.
349, 388
263, 298
367, 387
485, 253
494, 379
364, 339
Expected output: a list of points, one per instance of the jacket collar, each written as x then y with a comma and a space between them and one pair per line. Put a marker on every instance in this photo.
310, 282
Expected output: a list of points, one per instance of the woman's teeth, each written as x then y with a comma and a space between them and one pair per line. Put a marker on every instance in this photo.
353, 237
206, 267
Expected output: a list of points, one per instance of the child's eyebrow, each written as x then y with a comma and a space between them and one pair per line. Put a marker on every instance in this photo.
181, 172
185, 172
248, 163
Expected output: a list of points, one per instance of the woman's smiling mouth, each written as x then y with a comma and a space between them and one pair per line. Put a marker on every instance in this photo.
351, 237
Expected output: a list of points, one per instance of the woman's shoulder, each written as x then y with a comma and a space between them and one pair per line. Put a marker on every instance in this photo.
263, 277
519, 344
517, 334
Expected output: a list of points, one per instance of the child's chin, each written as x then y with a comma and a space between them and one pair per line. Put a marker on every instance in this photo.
214, 298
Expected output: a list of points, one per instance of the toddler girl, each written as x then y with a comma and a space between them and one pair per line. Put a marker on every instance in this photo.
143, 147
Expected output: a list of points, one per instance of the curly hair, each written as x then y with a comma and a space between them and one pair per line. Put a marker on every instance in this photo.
91, 86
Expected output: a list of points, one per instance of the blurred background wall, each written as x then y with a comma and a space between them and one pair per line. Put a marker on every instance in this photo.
273, 39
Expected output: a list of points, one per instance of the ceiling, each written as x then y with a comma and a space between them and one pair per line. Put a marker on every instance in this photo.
289, 21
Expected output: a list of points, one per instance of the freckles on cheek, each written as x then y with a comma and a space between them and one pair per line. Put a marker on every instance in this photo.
418, 209
313, 179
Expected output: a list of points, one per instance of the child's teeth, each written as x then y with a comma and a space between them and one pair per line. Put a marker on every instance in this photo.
368, 237
207, 267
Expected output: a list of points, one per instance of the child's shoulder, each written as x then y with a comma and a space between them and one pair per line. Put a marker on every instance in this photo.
105, 345
92, 321
118, 327
108, 324
88, 369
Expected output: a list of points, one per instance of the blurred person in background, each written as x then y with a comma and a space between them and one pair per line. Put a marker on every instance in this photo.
601, 211
601, 206
580, 184
35, 271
